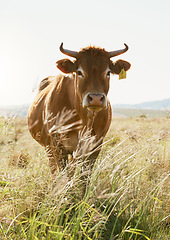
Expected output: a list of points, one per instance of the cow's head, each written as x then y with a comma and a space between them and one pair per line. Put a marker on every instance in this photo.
92, 68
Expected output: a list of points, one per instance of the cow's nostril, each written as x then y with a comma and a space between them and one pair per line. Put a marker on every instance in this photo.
102, 99
90, 99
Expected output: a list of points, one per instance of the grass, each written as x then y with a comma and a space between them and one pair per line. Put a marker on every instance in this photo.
127, 196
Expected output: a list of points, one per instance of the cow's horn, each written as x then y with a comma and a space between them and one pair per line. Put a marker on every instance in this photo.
68, 52
118, 52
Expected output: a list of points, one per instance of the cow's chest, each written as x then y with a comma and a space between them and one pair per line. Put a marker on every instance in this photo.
70, 141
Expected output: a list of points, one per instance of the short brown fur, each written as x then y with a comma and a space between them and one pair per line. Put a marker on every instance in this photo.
59, 104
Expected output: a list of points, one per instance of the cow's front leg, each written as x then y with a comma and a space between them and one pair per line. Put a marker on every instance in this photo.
59, 157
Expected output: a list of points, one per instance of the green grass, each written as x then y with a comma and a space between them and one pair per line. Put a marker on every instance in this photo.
126, 198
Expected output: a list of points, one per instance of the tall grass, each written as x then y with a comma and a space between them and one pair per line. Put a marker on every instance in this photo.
126, 197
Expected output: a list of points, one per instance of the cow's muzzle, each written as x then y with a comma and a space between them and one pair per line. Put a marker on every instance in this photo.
95, 101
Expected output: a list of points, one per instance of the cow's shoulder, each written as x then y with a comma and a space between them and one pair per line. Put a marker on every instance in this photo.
60, 93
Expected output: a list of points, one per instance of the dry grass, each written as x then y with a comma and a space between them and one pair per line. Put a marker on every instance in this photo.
127, 197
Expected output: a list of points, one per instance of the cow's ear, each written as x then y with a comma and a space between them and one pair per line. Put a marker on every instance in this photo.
117, 66
66, 66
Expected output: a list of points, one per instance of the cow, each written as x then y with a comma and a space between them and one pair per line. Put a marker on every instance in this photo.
72, 109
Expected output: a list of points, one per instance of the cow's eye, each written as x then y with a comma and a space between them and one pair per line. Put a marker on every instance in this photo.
108, 73
79, 73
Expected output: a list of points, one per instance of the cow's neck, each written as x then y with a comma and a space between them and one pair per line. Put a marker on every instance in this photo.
86, 116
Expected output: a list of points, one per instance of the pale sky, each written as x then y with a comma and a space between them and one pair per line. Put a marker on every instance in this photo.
31, 32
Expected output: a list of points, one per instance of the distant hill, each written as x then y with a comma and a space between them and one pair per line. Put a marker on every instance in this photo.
150, 109
154, 105
18, 110
130, 112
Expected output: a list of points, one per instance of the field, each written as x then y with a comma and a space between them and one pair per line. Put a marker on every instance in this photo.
127, 196
127, 112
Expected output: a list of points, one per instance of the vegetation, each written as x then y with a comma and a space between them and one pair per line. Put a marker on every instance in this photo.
127, 194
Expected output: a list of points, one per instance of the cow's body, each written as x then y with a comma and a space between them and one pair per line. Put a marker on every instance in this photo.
67, 106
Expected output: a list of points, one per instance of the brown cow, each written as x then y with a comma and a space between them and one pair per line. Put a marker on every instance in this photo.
71, 113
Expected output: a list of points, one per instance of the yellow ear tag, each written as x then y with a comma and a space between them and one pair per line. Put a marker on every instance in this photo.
122, 74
